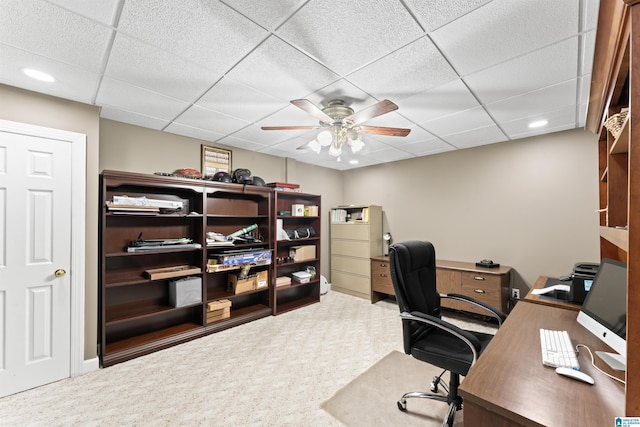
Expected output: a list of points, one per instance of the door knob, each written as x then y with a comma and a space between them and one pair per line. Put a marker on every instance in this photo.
60, 272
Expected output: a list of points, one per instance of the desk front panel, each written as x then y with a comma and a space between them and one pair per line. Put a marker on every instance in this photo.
510, 386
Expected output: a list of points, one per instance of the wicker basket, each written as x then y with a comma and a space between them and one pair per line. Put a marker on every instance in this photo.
615, 122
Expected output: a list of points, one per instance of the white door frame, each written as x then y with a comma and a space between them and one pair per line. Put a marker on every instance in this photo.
78, 143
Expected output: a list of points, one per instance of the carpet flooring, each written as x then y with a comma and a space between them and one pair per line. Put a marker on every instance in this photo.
371, 398
275, 371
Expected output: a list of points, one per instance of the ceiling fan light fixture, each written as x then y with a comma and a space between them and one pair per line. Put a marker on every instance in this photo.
324, 138
315, 146
356, 145
335, 150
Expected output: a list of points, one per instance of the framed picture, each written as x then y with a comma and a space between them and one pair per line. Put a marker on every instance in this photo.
215, 160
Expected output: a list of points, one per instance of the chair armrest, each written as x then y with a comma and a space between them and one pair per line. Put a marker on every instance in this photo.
492, 311
468, 338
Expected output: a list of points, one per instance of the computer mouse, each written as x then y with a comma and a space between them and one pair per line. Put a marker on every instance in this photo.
575, 374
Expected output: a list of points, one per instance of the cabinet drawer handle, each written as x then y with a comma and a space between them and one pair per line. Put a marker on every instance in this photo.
383, 275
479, 291
478, 278
383, 265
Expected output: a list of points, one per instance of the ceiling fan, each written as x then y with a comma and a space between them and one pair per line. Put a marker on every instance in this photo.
341, 125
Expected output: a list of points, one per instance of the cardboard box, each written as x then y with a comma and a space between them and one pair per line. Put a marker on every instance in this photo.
297, 210
262, 279
167, 272
218, 310
238, 286
283, 281
258, 257
302, 253
185, 291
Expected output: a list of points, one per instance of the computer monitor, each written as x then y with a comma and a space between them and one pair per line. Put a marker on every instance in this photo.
604, 311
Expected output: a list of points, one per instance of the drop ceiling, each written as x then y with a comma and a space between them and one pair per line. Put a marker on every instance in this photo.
463, 73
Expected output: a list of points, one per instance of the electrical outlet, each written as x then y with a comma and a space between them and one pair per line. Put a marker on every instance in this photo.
515, 293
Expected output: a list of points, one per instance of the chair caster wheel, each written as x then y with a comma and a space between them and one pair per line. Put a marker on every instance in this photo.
434, 385
402, 405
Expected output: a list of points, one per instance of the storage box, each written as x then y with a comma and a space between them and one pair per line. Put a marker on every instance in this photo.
297, 210
301, 276
167, 272
258, 257
238, 286
185, 291
262, 279
302, 253
218, 310
283, 281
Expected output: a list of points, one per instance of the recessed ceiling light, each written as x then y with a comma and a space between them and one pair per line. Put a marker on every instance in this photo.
38, 75
353, 162
538, 124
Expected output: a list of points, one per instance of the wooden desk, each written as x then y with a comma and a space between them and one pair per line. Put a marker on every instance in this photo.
509, 386
546, 299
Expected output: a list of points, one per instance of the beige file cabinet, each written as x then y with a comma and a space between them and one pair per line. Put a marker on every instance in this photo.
353, 243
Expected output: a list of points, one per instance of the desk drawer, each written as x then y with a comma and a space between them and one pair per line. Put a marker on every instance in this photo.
483, 287
381, 277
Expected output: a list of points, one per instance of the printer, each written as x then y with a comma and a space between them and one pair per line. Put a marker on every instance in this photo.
581, 281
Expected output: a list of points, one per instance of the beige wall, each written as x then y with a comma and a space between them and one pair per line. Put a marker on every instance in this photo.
42, 110
529, 203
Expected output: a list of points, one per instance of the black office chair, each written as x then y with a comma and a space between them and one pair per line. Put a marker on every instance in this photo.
426, 336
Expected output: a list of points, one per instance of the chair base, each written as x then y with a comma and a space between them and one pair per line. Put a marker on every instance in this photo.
454, 401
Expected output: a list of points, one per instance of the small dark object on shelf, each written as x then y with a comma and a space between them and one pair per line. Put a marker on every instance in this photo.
487, 263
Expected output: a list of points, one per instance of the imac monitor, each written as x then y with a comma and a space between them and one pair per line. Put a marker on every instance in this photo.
604, 311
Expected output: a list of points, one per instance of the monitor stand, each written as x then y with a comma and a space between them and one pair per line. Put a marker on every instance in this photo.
614, 360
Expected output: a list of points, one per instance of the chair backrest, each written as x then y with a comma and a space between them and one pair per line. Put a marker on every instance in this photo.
413, 273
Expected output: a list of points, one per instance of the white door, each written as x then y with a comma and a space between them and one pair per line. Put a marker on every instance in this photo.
35, 261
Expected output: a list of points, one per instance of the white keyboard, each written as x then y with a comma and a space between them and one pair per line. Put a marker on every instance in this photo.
557, 350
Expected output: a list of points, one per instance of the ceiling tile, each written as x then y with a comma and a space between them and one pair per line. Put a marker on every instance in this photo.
210, 120
123, 116
519, 128
498, 31
588, 42
242, 143
266, 14
192, 132
550, 98
437, 102
412, 69
118, 94
590, 8
459, 122
71, 82
475, 137
152, 68
208, 33
584, 88
435, 13
103, 11
538, 69
241, 101
428, 146
61, 35
279, 70
345, 35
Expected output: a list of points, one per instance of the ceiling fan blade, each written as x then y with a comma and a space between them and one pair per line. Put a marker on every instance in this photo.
382, 107
379, 130
311, 108
289, 127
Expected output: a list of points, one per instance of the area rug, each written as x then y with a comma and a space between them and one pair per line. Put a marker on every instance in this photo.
370, 399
